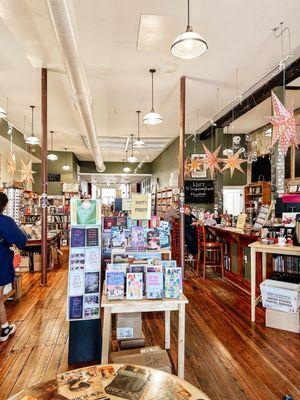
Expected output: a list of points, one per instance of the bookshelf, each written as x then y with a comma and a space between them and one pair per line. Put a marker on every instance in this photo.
258, 191
164, 198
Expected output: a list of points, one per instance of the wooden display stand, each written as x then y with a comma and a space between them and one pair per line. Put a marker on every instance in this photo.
132, 306
257, 190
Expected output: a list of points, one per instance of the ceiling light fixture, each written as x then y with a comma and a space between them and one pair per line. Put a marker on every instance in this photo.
52, 156
152, 118
126, 169
32, 140
189, 44
132, 158
10, 128
66, 166
139, 144
2, 113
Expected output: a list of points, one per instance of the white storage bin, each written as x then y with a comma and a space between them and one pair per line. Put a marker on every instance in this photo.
281, 296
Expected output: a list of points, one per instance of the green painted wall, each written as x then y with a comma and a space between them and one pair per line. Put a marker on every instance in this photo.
113, 167
55, 167
165, 164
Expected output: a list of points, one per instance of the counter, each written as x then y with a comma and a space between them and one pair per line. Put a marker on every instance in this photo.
237, 254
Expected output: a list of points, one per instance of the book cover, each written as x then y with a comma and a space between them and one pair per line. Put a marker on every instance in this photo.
131, 382
137, 237
115, 281
168, 263
118, 267
153, 239
76, 283
164, 241
77, 237
154, 283
109, 222
121, 222
75, 307
93, 258
117, 237
91, 306
134, 286
173, 282
144, 223
92, 282
77, 259
92, 236
87, 212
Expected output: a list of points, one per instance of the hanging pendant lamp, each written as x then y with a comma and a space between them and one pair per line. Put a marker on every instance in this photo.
32, 140
189, 44
132, 158
52, 156
152, 118
126, 169
66, 166
139, 144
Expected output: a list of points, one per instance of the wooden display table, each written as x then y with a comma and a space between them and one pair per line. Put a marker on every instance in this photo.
98, 382
132, 306
265, 249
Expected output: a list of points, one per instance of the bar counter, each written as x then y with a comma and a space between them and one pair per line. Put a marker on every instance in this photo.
237, 254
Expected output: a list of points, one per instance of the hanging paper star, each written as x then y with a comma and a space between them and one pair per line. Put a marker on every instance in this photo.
284, 123
27, 173
196, 163
12, 165
233, 162
211, 161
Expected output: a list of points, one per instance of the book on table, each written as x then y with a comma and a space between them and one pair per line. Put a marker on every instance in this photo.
134, 286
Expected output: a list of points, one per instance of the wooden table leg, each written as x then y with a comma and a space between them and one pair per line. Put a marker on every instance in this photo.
253, 283
264, 265
106, 335
167, 329
181, 340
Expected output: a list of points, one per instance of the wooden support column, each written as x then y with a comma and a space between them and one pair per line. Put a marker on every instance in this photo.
181, 168
44, 176
218, 140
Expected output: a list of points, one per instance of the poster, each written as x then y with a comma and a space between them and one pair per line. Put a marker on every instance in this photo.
141, 206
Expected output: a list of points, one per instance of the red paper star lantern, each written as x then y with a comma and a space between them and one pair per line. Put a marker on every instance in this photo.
211, 161
233, 162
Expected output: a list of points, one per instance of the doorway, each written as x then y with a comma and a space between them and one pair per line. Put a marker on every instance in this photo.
233, 199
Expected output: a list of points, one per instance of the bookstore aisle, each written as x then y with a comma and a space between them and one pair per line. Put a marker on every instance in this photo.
226, 357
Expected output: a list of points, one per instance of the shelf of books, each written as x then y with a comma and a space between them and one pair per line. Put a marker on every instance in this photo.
167, 199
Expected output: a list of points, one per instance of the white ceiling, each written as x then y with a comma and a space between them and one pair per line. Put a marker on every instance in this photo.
120, 40
19, 153
113, 180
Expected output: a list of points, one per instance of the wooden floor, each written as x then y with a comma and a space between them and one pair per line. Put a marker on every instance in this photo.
227, 356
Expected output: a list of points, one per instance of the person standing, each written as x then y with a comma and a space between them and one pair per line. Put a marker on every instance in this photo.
190, 223
10, 234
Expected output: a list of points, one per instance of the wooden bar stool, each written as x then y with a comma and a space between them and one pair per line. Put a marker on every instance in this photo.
213, 252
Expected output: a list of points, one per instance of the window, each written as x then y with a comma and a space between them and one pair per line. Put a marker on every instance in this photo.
146, 186
108, 195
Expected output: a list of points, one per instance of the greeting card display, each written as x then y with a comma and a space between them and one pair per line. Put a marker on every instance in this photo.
84, 261
134, 286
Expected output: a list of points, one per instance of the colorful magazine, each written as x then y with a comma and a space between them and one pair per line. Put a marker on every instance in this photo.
134, 286
115, 281
117, 237
153, 239
137, 237
173, 282
154, 282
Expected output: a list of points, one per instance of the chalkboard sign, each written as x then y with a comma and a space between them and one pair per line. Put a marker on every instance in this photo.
53, 177
199, 191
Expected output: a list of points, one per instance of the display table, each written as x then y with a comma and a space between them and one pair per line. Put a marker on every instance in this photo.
35, 245
120, 252
265, 249
98, 382
132, 306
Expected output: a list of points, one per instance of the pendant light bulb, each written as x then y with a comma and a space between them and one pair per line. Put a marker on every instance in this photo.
132, 158
139, 144
32, 140
52, 156
152, 118
66, 166
126, 169
189, 44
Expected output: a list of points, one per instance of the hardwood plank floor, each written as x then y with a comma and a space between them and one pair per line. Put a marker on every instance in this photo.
227, 356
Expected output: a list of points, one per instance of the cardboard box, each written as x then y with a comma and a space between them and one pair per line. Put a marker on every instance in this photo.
37, 262
132, 343
152, 357
283, 320
281, 296
129, 326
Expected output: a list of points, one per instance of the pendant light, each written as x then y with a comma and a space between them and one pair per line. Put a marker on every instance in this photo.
32, 140
126, 169
189, 44
52, 156
139, 144
132, 158
66, 166
152, 118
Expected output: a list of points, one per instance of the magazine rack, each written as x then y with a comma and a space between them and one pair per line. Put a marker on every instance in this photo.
122, 251
145, 305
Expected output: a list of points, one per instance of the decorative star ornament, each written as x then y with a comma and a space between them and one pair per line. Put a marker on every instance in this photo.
284, 123
27, 173
11, 165
233, 162
211, 161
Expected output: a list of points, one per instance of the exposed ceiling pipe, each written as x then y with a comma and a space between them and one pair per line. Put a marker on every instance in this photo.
62, 15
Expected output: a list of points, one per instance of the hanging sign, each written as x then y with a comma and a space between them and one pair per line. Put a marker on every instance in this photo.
141, 206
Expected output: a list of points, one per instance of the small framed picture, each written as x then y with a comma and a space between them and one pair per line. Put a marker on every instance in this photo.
198, 172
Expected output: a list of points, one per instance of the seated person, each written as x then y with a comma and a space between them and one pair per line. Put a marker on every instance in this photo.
190, 222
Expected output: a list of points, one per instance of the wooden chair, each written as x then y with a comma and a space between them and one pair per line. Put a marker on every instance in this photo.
213, 252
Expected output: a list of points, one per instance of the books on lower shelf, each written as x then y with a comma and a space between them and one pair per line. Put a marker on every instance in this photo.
287, 264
